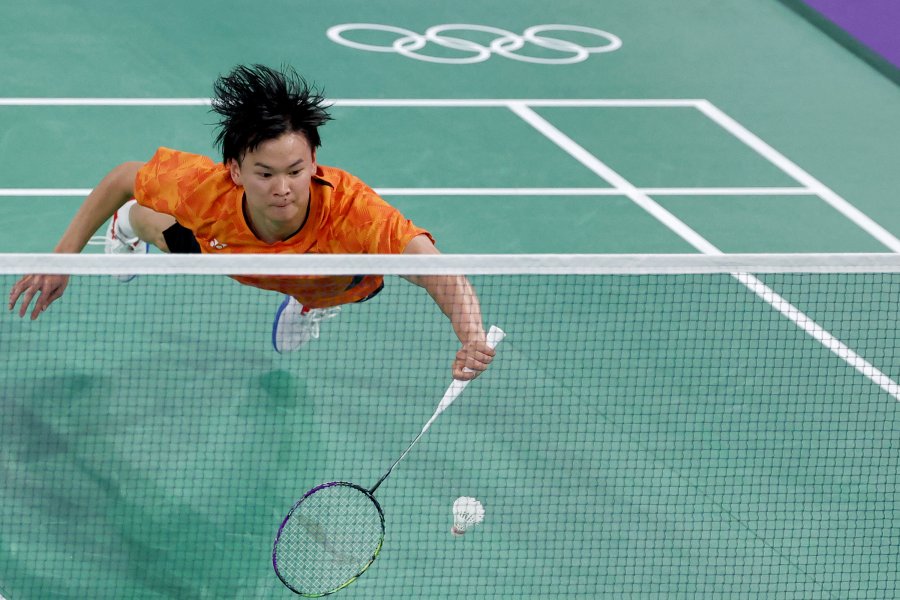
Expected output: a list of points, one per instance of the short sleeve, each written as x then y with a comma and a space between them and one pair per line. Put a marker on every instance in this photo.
368, 224
168, 178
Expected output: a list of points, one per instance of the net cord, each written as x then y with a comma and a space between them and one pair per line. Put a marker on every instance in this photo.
446, 264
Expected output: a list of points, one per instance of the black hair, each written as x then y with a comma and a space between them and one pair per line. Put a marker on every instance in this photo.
256, 104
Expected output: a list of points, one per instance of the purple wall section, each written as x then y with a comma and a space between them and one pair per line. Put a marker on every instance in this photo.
875, 23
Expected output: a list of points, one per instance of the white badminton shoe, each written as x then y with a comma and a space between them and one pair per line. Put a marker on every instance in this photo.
295, 325
116, 243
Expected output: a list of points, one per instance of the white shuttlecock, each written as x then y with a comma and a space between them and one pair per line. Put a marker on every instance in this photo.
467, 512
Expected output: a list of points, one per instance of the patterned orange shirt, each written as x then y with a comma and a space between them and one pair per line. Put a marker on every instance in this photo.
345, 217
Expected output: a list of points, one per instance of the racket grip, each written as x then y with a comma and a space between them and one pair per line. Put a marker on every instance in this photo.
495, 335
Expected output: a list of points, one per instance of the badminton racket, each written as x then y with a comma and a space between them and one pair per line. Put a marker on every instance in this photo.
335, 531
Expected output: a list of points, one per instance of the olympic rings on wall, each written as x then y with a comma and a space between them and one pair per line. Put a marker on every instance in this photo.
506, 44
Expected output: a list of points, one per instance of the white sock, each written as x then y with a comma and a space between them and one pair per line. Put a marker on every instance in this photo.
123, 222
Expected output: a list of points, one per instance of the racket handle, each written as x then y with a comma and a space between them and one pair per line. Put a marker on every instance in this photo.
495, 335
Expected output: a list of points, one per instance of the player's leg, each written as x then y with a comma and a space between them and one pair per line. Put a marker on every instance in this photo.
134, 227
134, 224
150, 226
296, 324
121, 237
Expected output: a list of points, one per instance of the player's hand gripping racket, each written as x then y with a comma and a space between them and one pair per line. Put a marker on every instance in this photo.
335, 531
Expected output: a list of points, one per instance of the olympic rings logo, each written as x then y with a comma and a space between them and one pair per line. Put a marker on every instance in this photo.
506, 44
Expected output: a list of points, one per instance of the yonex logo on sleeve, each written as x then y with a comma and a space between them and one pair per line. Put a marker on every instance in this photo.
505, 44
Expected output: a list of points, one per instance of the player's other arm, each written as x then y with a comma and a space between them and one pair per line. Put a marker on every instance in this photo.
107, 197
455, 296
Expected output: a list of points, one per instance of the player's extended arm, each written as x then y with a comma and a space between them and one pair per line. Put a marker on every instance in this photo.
111, 193
455, 296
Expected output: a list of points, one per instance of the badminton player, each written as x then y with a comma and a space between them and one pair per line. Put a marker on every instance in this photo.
268, 195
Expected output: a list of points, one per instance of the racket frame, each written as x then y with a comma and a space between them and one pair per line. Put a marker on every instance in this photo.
297, 505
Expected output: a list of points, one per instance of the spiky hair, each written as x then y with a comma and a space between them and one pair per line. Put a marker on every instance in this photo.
256, 104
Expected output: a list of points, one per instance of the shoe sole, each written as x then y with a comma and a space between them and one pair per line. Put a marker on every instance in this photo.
284, 305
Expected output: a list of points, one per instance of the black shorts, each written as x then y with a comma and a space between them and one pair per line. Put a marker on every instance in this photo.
181, 240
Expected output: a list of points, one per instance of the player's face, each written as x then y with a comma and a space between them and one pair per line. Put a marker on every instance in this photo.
276, 177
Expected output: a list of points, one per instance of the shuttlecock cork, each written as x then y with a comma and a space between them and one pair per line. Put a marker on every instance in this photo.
467, 512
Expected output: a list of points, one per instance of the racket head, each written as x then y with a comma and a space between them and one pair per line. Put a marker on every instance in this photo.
328, 539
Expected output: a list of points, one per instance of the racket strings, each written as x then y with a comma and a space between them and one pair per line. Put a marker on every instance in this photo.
329, 539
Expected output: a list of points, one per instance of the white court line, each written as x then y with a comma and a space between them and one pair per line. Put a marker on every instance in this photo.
375, 102
105, 102
784, 307
743, 191
805, 179
49, 192
818, 333
725, 191
506, 103
617, 181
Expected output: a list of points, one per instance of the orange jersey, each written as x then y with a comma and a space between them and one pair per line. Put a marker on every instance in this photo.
345, 217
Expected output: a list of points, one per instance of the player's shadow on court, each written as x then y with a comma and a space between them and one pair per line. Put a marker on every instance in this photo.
288, 436
34, 412
282, 390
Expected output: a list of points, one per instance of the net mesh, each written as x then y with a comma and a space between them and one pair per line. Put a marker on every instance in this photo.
666, 433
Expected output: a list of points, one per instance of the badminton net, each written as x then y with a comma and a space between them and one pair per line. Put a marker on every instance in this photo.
652, 426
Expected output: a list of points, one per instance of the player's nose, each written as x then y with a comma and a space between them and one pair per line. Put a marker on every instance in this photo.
280, 186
